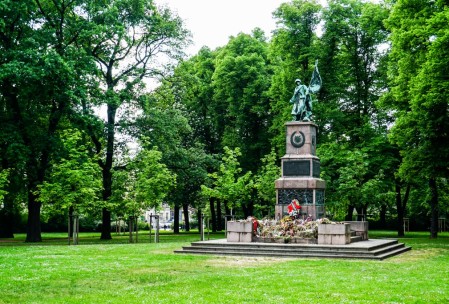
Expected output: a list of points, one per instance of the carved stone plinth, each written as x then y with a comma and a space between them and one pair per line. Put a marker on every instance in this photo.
300, 172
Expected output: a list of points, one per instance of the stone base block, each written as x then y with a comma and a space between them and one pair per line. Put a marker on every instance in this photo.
334, 239
239, 237
360, 229
334, 234
334, 229
239, 231
239, 226
324, 239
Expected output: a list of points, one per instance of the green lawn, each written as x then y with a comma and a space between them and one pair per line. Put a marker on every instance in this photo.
116, 272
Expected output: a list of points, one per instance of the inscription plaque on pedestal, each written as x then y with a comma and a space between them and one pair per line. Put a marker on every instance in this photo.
296, 168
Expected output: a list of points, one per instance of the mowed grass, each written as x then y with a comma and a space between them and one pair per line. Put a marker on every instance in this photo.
117, 272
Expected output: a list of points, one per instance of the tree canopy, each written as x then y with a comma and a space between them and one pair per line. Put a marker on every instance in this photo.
100, 110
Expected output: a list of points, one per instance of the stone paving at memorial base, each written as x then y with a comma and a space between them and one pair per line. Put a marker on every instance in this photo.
376, 249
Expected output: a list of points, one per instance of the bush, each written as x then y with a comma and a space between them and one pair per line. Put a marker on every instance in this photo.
55, 223
143, 225
88, 224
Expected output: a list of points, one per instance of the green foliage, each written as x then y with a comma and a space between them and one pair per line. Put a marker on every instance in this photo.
142, 185
241, 79
228, 183
60, 60
264, 183
128, 40
4, 180
418, 65
353, 45
419, 93
168, 129
192, 87
222, 93
75, 180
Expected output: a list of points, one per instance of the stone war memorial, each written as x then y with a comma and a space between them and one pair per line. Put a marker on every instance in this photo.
300, 181
299, 227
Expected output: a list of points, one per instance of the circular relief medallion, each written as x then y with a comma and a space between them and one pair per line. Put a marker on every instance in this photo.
297, 139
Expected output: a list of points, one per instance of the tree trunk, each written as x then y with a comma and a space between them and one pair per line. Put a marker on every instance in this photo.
8, 217
70, 230
218, 217
176, 220
349, 212
107, 191
34, 220
213, 215
9, 213
383, 216
107, 170
106, 225
200, 222
360, 213
401, 203
185, 209
433, 208
248, 210
400, 210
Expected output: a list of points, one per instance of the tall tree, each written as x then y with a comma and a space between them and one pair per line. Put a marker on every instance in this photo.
241, 79
39, 78
13, 29
420, 91
346, 111
353, 56
127, 40
224, 96
193, 91
167, 129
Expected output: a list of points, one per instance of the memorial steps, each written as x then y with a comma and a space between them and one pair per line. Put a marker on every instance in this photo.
374, 249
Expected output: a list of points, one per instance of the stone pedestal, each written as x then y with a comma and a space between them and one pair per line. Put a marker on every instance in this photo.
334, 234
239, 232
300, 172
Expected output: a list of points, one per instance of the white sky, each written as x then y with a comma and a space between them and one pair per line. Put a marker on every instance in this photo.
212, 22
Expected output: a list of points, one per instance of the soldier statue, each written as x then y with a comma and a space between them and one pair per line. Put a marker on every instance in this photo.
302, 100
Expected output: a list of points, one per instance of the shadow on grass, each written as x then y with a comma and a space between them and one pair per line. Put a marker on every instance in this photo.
90, 238
420, 238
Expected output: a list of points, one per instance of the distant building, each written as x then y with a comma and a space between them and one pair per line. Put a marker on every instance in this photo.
166, 216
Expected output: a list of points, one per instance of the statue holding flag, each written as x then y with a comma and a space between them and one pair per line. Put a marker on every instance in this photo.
301, 99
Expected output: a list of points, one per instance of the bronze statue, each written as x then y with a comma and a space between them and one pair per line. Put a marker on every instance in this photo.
301, 99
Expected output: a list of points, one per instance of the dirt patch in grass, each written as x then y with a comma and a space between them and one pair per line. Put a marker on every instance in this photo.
417, 255
238, 261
